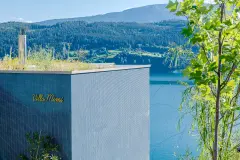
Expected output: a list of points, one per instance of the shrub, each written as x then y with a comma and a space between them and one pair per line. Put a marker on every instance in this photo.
41, 147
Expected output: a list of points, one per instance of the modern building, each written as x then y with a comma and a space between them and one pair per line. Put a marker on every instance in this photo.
93, 115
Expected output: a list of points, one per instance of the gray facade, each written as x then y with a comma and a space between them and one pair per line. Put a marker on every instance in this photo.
104, 115
20, 115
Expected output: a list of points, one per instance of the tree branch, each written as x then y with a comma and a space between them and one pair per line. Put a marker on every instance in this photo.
236, 95
228, 76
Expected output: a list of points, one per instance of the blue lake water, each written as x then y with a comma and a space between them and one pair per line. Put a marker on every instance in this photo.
166, 142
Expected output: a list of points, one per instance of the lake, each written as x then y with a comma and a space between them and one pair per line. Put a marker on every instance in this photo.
166, 142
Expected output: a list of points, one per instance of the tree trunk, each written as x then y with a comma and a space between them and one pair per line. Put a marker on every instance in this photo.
215, 144
218, 103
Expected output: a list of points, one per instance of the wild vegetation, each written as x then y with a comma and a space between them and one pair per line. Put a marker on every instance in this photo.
214, 99
43, 60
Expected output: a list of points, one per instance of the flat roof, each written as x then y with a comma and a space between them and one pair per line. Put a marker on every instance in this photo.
115, 68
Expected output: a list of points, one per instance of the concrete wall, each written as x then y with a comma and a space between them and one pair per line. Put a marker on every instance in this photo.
110, 115
19, 114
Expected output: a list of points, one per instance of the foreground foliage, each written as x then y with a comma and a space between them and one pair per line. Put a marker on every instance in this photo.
214, 99
178, 56
41, 147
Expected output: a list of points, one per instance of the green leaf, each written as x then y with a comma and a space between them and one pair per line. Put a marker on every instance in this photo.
194, 7
196, 65
196, 39
212, 66
231, 83
172, 6
238, 4
187, 31
213, 79
202, 57
187, 71
236, 108
227, 57
196, 75
203, 9
228, 23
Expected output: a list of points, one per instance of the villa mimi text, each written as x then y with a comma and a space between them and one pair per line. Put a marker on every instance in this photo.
47, 98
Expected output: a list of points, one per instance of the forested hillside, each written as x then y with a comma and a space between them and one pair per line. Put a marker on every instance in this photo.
98, 38
82, 35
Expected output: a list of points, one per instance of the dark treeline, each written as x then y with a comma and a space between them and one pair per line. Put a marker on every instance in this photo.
82, 35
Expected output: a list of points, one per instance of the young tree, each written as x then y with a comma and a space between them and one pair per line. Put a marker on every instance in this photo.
213, 100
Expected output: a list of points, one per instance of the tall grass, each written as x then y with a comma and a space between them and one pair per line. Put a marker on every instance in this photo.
42, 60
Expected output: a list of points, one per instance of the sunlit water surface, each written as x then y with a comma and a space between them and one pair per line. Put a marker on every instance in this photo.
166, 142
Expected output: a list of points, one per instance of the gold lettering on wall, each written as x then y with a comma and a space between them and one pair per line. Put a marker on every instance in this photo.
47, 98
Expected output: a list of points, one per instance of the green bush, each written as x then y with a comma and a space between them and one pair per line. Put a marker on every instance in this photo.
41, 147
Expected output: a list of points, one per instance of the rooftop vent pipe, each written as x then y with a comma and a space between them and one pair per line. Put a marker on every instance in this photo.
22, 47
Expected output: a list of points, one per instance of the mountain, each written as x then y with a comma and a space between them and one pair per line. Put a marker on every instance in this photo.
146, 14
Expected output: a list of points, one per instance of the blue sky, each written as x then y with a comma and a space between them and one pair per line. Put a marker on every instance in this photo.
38, 10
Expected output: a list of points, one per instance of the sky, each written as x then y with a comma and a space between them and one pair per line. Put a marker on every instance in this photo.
39, 10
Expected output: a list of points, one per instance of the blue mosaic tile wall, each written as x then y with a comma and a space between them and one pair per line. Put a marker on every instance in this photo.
20, 115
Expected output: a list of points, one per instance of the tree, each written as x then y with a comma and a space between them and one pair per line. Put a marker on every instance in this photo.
213, 100
82, 55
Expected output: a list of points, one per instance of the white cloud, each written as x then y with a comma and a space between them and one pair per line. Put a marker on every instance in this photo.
29, 21
19, 19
